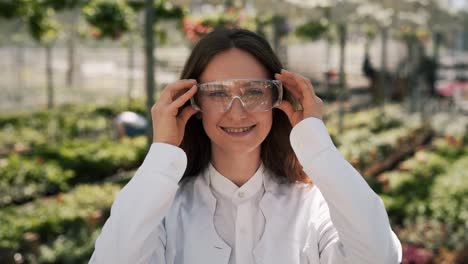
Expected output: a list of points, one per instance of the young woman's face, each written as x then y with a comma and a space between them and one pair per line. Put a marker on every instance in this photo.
227, 130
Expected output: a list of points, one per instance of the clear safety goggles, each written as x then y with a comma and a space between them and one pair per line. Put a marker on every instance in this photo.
255, 95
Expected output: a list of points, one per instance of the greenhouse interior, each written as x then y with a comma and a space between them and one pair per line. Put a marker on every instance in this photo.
392, 75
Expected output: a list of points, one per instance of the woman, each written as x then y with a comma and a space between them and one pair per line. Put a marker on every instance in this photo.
228, 178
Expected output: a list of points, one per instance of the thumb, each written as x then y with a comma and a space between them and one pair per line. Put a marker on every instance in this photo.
185, 115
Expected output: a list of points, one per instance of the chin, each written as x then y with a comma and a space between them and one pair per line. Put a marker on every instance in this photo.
237, 148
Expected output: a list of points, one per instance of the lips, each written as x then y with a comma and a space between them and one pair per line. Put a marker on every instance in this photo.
238, 129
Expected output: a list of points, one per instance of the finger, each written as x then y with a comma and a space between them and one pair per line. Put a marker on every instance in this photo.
304, 85
288, 84
308, 96
292, 83
285, 79
184, 97
289, 77
185, 115
168, 93
308, 84
306, 90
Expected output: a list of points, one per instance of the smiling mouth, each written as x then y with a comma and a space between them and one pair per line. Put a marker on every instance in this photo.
239, 130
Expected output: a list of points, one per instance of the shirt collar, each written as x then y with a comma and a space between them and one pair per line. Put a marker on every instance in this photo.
231, 191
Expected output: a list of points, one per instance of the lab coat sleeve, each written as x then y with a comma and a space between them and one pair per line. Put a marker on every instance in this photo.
353, 224
134, 232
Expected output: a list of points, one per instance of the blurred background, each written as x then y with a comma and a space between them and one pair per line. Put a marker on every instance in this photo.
77, 78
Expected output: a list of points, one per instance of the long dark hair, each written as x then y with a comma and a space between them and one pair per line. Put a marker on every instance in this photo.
276, 152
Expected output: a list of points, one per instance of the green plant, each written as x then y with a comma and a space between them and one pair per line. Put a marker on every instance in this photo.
25, 178
71, 247
52, 216
313, 29
110, 18
94, 160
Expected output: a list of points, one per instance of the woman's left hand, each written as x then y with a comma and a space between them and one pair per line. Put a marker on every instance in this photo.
301, 88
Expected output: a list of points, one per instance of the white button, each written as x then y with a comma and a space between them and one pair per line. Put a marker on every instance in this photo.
241, 194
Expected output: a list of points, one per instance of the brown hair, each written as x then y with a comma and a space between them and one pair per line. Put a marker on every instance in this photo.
276, 154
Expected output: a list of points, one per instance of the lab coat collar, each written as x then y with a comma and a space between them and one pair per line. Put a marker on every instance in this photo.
217, 249
270, 184
230, 190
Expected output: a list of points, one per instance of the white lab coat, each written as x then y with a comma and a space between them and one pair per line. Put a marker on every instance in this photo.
337, 220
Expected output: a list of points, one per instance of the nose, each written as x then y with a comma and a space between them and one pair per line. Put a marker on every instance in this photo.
236, 108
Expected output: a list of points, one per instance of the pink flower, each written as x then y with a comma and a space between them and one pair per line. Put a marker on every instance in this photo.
416, 255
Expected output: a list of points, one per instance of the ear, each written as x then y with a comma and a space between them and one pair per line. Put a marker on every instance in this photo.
198, 115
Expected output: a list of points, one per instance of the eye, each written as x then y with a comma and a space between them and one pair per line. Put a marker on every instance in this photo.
217, 94
254, 91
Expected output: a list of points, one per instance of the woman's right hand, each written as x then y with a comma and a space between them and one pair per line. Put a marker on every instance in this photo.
168, 127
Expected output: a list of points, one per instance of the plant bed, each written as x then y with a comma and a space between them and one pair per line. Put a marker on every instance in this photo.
22, 179
95, 160
55, 169
26, 228
401, 152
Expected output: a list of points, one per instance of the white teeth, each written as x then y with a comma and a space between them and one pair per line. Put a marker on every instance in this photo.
237, 130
